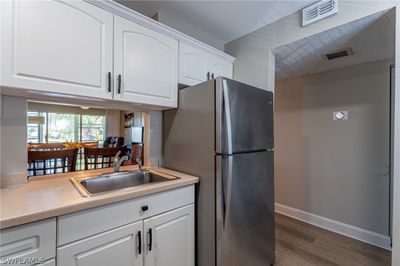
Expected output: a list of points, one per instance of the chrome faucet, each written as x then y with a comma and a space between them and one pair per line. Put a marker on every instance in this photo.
139, 162
118, 161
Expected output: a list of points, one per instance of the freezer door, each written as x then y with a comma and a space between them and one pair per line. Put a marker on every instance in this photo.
244, 117
245, 209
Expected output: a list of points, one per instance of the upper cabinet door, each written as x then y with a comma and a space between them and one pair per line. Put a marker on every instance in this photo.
220, 67
192, 65
145, 65
170, 238
57, 46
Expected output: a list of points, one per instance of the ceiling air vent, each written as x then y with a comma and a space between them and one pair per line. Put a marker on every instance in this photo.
319, 10
338, 54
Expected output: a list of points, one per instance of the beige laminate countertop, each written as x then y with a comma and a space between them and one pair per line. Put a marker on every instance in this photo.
49, 196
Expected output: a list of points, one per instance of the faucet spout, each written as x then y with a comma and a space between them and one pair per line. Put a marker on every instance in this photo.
118, 161
140, 165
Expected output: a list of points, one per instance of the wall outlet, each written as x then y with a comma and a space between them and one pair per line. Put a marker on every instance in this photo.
341, 115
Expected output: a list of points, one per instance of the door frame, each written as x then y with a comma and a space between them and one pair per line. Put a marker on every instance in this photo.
396, 148
395, 144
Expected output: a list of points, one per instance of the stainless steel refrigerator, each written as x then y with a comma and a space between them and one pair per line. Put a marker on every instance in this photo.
222, 132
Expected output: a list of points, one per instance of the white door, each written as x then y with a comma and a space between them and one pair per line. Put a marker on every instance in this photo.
57, 46
220, 67
122, 246
192, 65
170, 238
145, 65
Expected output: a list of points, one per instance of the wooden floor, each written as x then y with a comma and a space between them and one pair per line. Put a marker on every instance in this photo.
302, 244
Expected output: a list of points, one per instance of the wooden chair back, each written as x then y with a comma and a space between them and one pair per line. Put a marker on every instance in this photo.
45, 146
92, 144
96, 158
47, 162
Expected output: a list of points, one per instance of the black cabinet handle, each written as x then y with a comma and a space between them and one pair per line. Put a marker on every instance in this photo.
145, 208
140, 242
109, 81
212, 76
119, 84
208, 75
150, 239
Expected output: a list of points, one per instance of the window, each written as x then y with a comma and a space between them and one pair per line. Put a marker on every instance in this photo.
53, 127
63, 127
92, 128
35, 129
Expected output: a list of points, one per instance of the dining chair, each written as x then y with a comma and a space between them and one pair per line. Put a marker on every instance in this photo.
96, 158
45, 146
47, 162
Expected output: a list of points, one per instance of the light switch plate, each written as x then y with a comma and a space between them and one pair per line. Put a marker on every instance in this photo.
341, 115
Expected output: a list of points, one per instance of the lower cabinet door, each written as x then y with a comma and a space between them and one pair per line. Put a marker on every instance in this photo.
47, 263
122, 246
170, 238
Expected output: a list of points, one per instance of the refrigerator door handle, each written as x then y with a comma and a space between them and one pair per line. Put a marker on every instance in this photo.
228, 120
224, 190
228, 190
223, 200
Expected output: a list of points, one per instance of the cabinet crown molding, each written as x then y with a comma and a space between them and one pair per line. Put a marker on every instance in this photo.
143, 20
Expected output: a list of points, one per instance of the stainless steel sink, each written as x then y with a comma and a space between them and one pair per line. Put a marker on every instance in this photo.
94, 185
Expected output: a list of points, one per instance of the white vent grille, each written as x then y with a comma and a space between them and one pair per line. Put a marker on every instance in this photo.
319, 10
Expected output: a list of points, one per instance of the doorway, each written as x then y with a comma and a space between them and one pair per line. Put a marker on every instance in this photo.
332, 113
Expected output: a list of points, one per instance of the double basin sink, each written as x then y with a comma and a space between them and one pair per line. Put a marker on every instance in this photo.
89, 186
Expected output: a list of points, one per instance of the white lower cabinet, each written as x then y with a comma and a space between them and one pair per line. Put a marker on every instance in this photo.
121, 246
28, 244
155, 230
170, 238
163, 240
47, 263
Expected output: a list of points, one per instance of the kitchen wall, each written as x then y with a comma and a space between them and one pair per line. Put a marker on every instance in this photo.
335, 169
188, 29
153, 139
13, 141
252, 51
113, 123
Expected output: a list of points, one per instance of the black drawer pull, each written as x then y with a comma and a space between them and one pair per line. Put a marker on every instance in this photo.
140, 242
150, 239
145, 208
109, 81
119, 84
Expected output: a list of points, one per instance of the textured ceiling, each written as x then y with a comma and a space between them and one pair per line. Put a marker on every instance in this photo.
371, 38
223, 20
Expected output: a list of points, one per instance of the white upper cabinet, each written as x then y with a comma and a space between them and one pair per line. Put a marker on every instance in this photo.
192, 65
57, 46
220, 67
145, 65
197, 65
80, 49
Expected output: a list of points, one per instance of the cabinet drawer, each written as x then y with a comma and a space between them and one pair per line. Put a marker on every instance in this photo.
85, 223
30, 243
